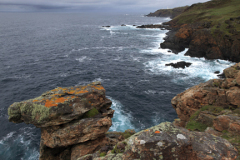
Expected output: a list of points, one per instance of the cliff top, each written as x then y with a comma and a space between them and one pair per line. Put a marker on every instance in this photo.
168, 12
223, 15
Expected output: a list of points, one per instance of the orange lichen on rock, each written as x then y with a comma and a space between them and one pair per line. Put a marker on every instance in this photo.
157, 132
98, 87
54, 101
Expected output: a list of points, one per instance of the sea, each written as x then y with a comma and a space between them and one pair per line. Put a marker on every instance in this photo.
42, 51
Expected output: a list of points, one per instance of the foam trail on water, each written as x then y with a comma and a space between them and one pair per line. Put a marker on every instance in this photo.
121, 120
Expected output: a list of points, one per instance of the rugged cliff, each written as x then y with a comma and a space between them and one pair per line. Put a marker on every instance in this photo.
213, 107
74, 122
210, 30
168, 12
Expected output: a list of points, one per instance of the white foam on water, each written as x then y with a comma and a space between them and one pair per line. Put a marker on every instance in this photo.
83, 58
200, 68
14, 143
121, 120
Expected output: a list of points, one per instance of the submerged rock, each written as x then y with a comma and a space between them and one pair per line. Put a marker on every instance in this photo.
181, 64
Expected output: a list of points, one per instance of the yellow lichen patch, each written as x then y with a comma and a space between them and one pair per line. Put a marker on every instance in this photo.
35, 100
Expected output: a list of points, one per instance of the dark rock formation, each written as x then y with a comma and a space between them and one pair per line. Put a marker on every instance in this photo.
106, 26
217, 72
154, 26
181, 64
123, 25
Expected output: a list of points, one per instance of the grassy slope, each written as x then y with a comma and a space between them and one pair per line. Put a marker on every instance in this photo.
215, 11
168, 12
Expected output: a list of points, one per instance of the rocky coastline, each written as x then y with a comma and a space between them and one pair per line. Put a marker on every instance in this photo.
74, 124
204, 32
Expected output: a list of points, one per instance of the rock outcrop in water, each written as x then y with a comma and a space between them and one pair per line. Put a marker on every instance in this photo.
181, 64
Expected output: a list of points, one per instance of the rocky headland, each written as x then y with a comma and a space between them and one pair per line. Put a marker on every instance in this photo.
210, 30
172, 13
74, 124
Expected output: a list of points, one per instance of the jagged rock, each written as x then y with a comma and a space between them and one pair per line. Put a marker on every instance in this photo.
217, 72
218, 92
166, 141
106, 26
123, 25
181, 64
59, 106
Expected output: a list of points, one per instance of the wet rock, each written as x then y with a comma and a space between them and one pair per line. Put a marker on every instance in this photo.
106, 26
181, 64
123, 25
217, 72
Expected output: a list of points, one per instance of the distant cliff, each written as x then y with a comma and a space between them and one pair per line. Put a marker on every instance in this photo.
168, 12
210, 30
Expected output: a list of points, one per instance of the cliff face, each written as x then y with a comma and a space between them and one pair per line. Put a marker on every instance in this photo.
167, 12
210, 30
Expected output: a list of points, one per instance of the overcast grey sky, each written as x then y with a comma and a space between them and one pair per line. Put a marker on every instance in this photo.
143, 6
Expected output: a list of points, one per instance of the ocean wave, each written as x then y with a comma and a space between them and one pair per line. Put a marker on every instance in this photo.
121, 120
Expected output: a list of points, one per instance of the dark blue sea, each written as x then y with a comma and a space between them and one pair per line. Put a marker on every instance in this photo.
42, 51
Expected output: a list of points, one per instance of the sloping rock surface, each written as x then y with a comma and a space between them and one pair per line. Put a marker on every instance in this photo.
166, 141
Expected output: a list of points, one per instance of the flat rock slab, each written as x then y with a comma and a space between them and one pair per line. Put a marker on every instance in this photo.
60, 105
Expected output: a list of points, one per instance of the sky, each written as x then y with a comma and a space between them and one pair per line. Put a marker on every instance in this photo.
91, 5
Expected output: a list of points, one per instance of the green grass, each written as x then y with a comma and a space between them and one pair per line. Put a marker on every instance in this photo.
215, 11
194, 125
103, 154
